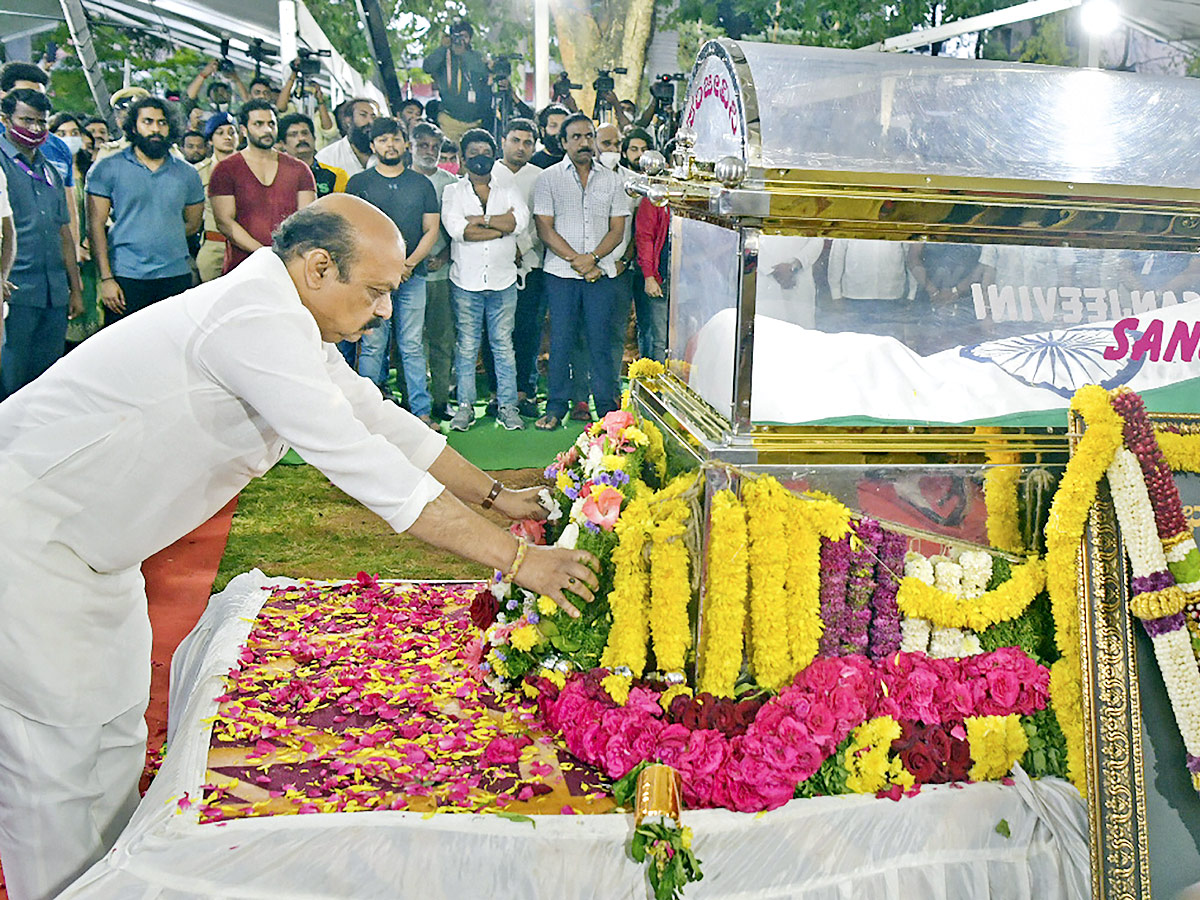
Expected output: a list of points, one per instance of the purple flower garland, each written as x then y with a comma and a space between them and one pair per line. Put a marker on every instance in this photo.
835, 567
885, 623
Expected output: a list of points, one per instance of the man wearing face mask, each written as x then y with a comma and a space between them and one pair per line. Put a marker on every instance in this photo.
483, 216
352, 154
45, 286
155, 202
257, 188
550, 120
409, 200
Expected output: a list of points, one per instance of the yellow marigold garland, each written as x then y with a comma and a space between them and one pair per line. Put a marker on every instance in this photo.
645, 368
725, 598
868, 762
945, 610
1182, 451
766, 511
1000, 497
997, 743
670, 587
631, 584
809, 518
1064, 531
656, 451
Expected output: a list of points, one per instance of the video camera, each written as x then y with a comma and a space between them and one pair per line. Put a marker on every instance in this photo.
662, 88
604, 81
562, 87
225, 64
500, 67
308, 62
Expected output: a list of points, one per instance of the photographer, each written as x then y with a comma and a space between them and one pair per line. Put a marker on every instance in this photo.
219, 97
461, 76
326, 130
506, 105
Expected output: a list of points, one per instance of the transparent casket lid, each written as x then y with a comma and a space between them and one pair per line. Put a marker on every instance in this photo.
850, 331
788, 107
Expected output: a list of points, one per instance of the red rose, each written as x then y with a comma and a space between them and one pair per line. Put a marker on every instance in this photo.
689, 718
483, 610
918, 762
959, 763
725, 718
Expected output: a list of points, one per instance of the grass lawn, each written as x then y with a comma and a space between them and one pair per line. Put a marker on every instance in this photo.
293, 522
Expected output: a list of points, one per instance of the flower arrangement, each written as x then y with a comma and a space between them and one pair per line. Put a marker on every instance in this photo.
1152, 521
796, 733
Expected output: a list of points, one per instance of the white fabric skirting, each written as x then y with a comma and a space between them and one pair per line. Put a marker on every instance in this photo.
941, 844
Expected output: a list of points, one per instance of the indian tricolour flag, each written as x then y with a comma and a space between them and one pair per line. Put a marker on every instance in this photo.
803, 376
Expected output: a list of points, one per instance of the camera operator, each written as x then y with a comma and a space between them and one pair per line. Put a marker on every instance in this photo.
326, 128
461, 76
219, 96
506, 105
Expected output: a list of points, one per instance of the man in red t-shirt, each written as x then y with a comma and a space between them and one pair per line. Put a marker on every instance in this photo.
254, 190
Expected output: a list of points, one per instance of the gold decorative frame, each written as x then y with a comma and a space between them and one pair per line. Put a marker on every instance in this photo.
1112, 703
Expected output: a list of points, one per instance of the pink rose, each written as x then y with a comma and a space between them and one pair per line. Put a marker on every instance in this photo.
671, 745
644, 702
602, 507
616, 422
707, 751
529, 529
1003, 689
821, 675
822, 724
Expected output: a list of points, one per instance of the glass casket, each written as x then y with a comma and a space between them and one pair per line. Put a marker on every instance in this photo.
889, 275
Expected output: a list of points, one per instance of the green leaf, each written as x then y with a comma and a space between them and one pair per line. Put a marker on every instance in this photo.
515, 817
626, 787
1002, 828
637, 848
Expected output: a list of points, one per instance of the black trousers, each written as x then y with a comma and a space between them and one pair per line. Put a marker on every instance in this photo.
142, 292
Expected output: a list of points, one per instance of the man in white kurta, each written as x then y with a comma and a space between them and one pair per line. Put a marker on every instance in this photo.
142, 434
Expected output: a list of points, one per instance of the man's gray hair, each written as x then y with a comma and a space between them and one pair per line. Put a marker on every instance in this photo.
311, 228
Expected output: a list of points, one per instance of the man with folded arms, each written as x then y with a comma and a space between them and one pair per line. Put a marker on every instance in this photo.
180, 407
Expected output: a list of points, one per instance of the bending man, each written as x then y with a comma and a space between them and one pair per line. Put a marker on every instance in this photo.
180, 406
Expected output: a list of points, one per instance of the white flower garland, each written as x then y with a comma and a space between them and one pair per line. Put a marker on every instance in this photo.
914, 632
945, 643
1136, 515
1173, 650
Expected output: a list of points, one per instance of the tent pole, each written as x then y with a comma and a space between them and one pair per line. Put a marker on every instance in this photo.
81, 37
541, 53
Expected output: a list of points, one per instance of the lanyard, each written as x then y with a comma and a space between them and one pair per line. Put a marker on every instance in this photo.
24, 167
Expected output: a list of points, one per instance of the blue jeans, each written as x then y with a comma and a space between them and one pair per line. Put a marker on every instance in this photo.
527, 331
651, 319
577, 306
408, 326
471, 310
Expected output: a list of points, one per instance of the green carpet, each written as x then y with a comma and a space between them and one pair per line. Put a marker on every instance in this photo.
490, 447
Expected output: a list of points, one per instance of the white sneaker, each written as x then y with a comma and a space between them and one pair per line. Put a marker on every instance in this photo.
510, 418
463, 418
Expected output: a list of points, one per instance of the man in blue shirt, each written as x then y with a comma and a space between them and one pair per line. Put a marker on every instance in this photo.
155, 201
45, 276
18, 75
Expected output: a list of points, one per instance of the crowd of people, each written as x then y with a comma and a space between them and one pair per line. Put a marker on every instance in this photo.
514, 229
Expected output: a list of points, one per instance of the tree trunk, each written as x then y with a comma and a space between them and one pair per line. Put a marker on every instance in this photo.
587, 32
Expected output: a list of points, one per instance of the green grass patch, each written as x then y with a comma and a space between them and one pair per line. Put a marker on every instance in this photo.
294, 522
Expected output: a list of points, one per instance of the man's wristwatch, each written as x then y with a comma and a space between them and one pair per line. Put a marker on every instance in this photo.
595, 257
487, 221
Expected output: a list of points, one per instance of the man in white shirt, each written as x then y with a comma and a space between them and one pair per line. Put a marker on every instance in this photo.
517, 148
8, 249
483, 215
869, 289
180, 406
352, 154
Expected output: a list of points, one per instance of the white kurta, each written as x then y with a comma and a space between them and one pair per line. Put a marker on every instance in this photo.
142, 434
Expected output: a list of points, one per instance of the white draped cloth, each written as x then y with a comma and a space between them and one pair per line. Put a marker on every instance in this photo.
942, 844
